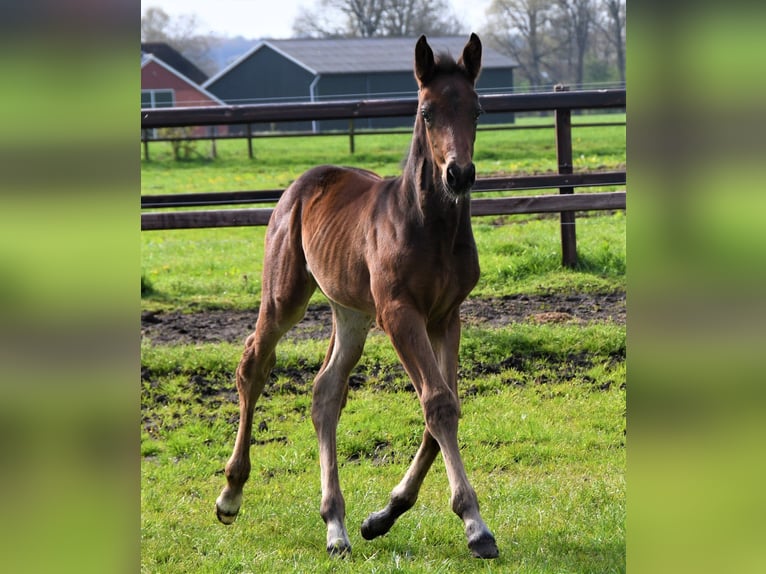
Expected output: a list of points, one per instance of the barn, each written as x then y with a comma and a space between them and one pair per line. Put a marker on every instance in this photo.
165, 83
315, 70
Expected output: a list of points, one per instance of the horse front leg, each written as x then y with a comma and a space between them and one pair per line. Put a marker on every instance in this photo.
405, 494
424, 362
445, 341
350, 330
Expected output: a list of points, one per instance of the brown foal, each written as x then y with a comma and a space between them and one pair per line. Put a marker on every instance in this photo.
399, 252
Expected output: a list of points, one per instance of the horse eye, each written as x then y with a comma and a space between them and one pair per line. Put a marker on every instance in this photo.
477, 113
428, 115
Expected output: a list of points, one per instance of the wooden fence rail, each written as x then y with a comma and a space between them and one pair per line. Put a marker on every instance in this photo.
375, 108
518, 183
561, 101
488, 206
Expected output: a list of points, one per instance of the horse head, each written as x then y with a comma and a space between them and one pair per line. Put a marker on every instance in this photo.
448, 108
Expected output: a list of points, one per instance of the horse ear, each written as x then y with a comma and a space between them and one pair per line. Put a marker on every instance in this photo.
471, 58
424, 61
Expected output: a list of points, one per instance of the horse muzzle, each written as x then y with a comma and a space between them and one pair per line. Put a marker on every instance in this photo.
459, 180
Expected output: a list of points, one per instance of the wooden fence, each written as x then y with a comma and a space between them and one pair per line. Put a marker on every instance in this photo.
561, 101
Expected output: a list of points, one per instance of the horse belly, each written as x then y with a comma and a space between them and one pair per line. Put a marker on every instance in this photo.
343, 282
335, 260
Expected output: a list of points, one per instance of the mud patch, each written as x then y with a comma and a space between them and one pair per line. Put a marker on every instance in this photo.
216, 326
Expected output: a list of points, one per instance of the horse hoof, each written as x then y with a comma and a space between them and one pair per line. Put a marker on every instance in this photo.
376, 524
339, 549
368, 532
484, 546
227, 508
225, 517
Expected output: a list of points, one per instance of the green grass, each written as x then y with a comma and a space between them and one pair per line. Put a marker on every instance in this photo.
543, 427
278, 161
221, 268
543, 442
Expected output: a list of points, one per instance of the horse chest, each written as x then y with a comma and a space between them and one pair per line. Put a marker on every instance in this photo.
441, 280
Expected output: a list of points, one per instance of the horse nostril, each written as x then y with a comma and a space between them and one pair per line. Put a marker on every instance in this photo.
470, 174
453, 174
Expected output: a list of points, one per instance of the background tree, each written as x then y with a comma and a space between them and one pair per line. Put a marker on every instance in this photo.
568, 41
155, 25
575, 18
414, 17
182, 33
522, 30
374, 18
611, 22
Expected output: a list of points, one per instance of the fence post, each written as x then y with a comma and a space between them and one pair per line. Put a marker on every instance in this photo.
351, 135
250, 141
213, 150
146, 144
564, 158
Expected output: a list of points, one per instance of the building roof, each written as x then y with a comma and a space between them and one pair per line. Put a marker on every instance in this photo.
174, 59
364, 55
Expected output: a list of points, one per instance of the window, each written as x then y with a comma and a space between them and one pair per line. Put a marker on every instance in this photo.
157, 98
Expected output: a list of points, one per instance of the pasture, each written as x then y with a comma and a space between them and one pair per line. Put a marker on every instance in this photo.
543, 427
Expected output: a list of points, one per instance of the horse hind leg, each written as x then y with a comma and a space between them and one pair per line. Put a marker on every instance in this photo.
285, 296
350, 330
251, 375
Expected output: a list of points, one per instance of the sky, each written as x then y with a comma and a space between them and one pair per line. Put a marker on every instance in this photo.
273, 18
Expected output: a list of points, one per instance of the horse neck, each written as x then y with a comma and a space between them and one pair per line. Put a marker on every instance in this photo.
419, 174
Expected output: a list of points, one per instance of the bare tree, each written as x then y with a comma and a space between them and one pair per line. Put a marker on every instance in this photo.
570, 41
344, 18
522, 29
155, 25
363, 16
577, 18
370, 18
415, 17
612, 24
318, 23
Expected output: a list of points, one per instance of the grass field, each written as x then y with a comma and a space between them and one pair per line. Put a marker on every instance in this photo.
221, 268
543, 427
547, 460
278, 161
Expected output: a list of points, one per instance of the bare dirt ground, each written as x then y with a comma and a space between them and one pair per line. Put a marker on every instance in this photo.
177, 328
